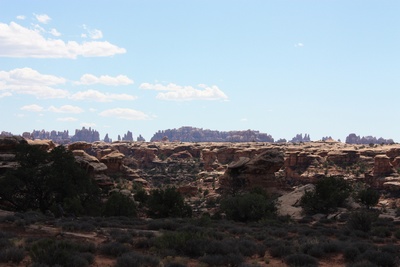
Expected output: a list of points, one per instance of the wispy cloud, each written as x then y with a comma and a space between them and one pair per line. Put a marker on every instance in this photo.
54, 32
20, 42
42, 18
124, 113
21, 17
5, 94
66, 109
186, 93
32, 108
91, 33
299, 45
88, 79
93, 95
31, 82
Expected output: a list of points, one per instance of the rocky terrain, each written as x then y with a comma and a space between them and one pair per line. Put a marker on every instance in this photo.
202, 171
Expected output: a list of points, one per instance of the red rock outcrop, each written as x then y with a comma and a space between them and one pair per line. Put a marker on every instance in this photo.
258, 171
382, 166
113, 161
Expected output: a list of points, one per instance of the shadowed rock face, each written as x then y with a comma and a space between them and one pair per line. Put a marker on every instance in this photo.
258, 171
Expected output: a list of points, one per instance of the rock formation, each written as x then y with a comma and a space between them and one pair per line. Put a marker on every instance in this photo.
191, 134
258, 171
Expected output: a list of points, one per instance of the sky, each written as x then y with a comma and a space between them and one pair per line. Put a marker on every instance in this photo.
282, 67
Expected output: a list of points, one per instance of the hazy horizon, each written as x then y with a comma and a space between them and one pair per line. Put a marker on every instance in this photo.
325, 68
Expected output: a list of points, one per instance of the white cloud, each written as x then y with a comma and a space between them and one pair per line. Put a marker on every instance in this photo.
67, 119
28, 76
93, 34
5, 94
54, 32
21, 17
31, 82
124, 113
299, 45
42, 18
97, 96
32, 108
18, 41
88, 79
66, 109
185, 93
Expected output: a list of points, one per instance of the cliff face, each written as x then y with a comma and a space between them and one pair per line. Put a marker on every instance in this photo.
208, 166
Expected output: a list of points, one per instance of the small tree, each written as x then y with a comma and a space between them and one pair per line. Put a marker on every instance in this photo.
249, 206
119, 205
45, 181
330, 193
369, 197
167, 202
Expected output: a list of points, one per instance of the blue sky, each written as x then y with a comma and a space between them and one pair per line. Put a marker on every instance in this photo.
283, 67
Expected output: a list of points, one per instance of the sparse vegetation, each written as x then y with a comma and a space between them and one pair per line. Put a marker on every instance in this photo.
330, 193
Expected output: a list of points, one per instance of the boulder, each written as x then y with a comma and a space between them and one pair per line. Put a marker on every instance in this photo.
45, 145
289, 204
9, 143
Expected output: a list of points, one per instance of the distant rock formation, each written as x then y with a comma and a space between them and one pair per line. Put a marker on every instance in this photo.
299, 138
107, 139
366, 140
128, 136
140, 138
55, 136
191, 134
87, 135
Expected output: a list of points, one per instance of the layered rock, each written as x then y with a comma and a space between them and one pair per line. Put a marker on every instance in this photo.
258, 171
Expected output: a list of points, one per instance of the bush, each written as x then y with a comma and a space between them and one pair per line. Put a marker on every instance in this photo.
350, 254
119, 205
62, 252
330, 193
383, 259
280, 250
133, 259
167, 203
362, 220
369, 197
301, 260
189, 243
223, 260
12, 254
114, 249
251, 206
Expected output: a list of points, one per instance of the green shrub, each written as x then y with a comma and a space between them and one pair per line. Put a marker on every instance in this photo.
163, 203
251, 206
281, 250
222, 260
113, 249
133, 259
12, 254
351, 253
119, 205
362, 220
62, 252
330, 193
369, 197
190, 243
299, 259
